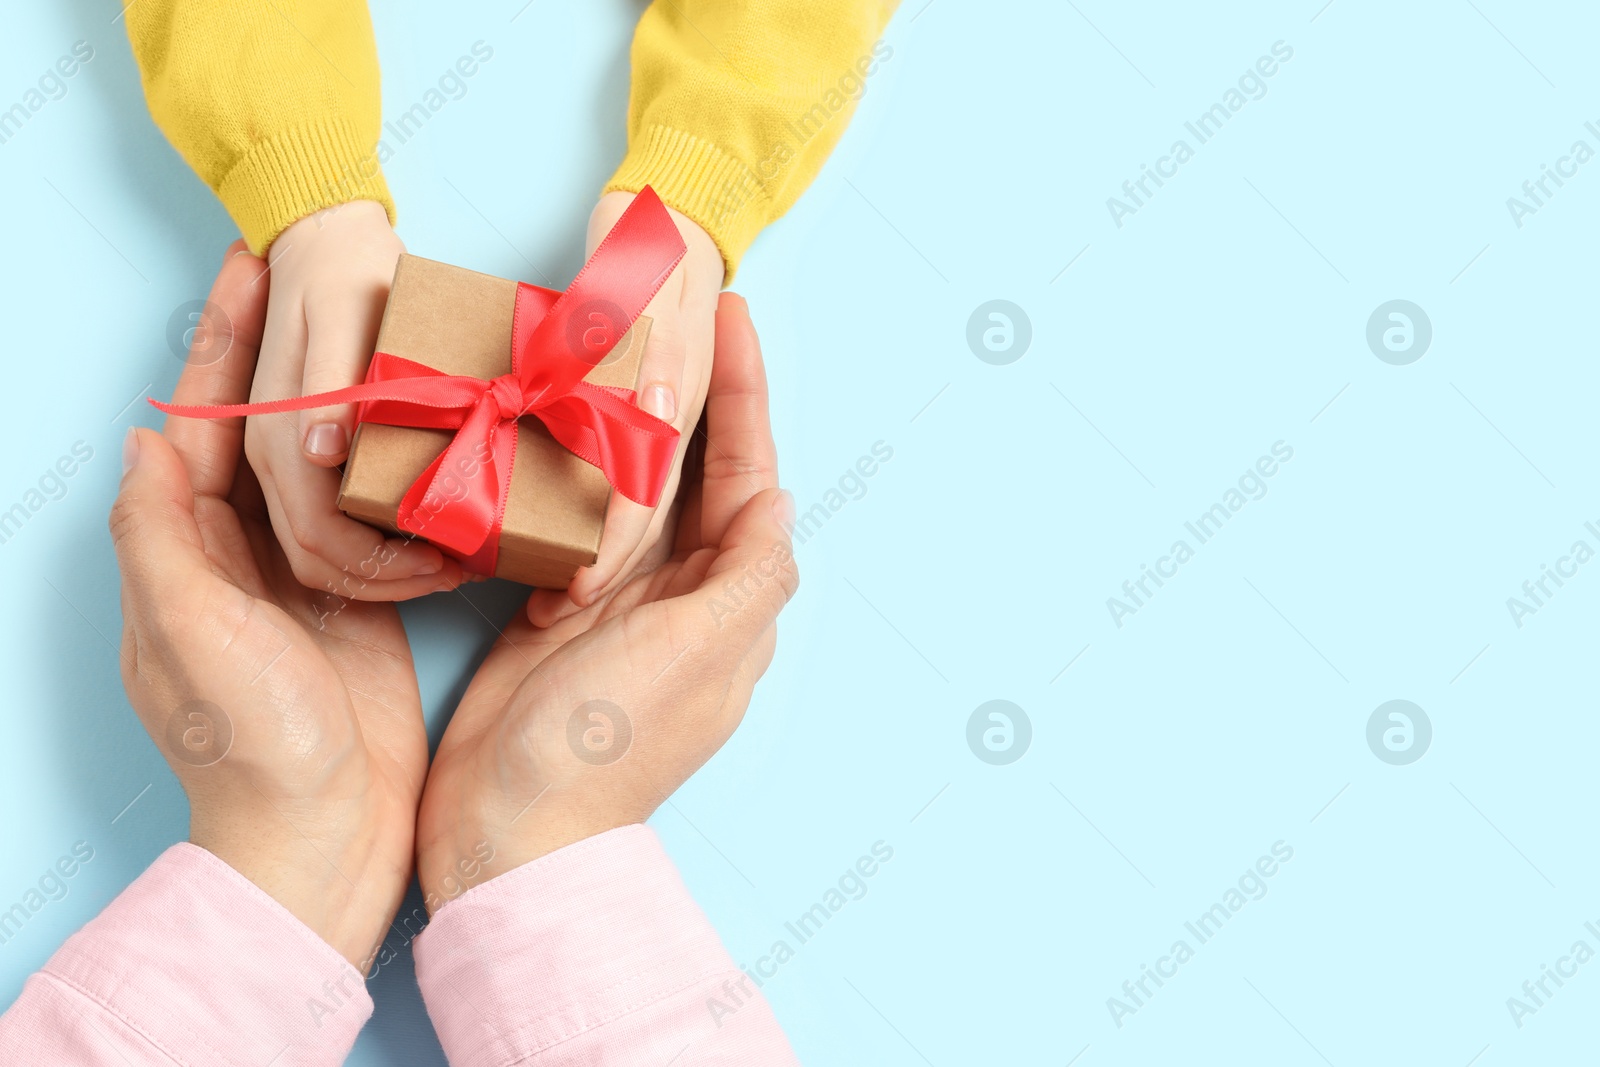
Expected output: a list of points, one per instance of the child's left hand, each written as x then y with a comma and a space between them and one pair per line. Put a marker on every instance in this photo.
672, 386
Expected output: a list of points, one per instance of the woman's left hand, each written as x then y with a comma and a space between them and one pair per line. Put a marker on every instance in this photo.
587, 725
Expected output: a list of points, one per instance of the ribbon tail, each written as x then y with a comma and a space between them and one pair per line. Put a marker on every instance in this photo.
420, 396
585, 323
459, 502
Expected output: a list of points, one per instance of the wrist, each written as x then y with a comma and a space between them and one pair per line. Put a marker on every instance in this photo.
287, 175
726, 195
703, 261
352, 222
481, 849
340, 891
448, 870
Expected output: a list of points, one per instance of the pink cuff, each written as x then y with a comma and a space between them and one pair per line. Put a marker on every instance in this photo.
203, 965
593, 954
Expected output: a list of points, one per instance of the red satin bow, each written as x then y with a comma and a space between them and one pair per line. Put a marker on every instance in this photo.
459, 502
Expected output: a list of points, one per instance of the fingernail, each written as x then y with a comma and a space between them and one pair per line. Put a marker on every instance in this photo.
327, 439
130, 450
783, 509
431, 567
660, 402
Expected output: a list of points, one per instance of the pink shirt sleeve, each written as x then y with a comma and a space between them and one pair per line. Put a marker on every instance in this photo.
595, 954
192, 965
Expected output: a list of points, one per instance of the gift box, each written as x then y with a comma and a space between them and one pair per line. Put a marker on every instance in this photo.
460, 322
497, 418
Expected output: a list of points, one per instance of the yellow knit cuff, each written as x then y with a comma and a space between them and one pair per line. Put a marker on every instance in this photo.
298, 171
720, 194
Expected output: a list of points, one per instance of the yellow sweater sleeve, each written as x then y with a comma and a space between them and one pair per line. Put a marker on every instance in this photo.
276, 104
736, 104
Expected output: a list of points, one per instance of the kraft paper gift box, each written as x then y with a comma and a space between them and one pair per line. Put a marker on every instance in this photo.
459, 321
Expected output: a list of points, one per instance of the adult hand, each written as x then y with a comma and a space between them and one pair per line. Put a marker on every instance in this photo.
329, 276
295, 729
587, 725
673, 378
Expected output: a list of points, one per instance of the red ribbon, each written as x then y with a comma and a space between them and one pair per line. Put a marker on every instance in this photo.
459, 502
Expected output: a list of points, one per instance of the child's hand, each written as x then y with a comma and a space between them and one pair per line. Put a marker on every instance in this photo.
329, 275
672, 386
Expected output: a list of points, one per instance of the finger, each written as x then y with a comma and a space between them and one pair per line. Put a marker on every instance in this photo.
661, 368
751, 579
159, 547
741, 457
626, 526
629, 526
546, 607
624, 538
327, 549
650, 581
246, 498
587, 587
686, 537
338, 348
220, 364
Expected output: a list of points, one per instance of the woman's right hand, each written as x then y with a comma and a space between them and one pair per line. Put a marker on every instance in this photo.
292, 720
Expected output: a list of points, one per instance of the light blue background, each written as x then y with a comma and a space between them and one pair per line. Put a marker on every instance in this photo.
1230, 713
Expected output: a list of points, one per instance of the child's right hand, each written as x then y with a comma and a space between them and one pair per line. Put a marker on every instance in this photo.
329, 275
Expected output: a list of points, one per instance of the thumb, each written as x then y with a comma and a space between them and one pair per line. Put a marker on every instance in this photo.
338, 349
153, 528
753, 576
